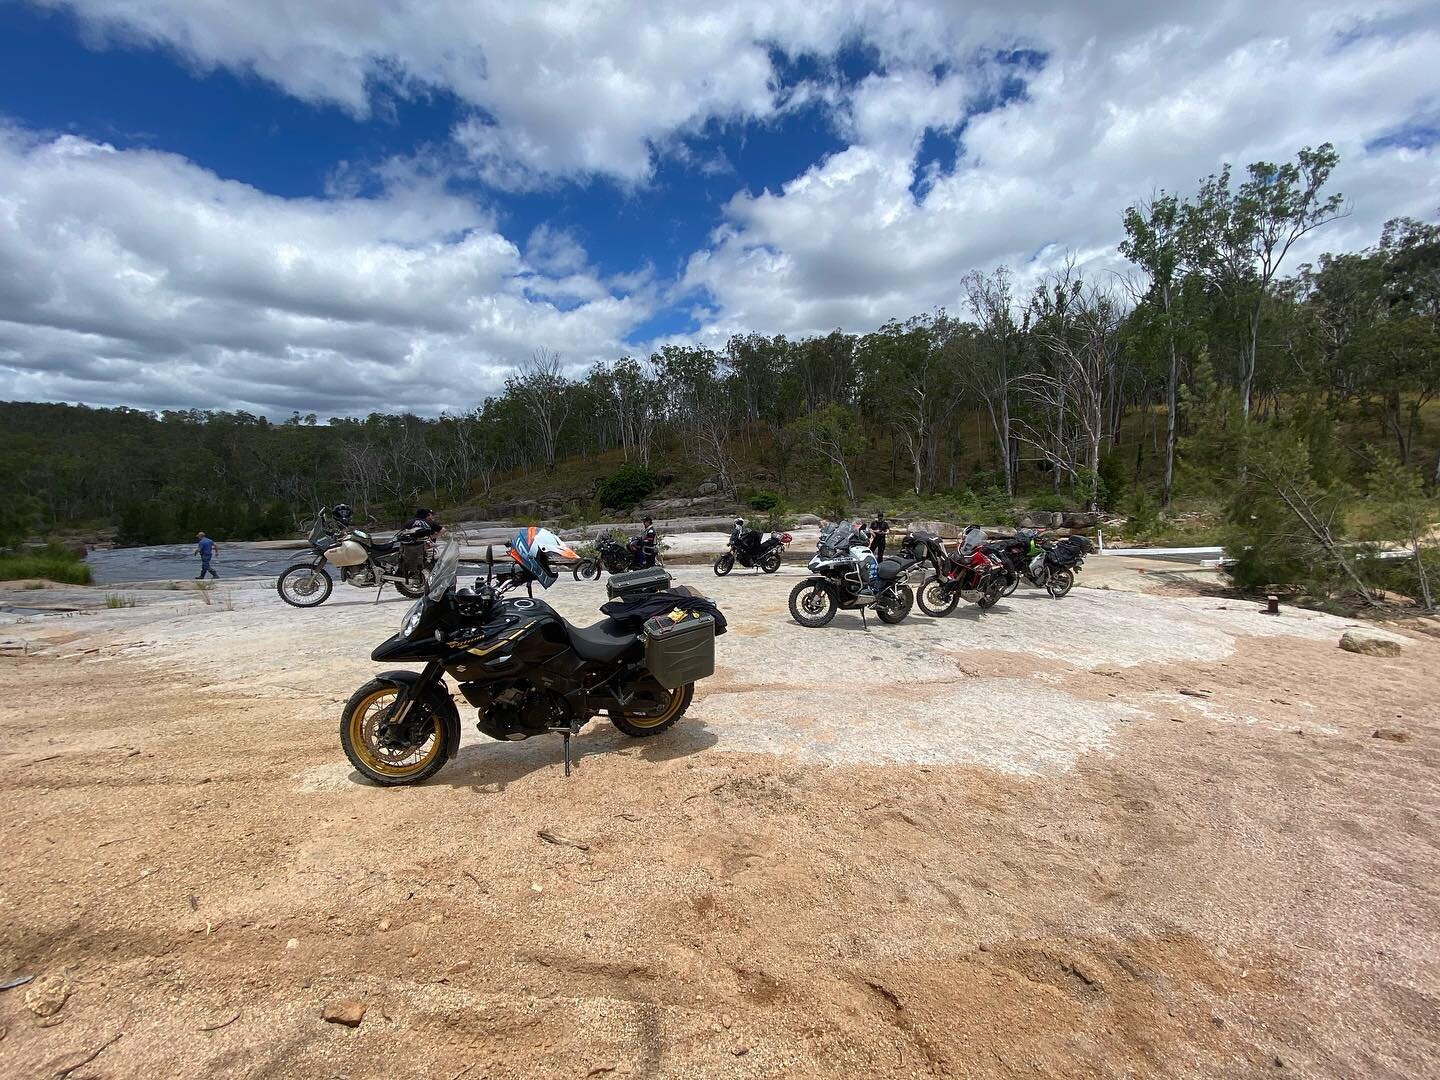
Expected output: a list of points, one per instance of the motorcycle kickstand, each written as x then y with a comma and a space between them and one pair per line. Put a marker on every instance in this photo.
379, 591
565, 736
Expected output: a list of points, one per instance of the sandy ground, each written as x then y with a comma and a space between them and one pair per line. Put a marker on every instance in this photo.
1128, 833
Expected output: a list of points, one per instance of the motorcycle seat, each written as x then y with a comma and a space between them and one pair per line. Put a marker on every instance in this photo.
605, 642
386, 548
890, 569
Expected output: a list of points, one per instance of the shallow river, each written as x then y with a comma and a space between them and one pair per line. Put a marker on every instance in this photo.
165, 562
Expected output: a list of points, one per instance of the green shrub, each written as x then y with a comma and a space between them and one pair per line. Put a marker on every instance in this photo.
626, 487
763, 500
1143, 515
1049, 501
1113, 478
118, 600
54, 563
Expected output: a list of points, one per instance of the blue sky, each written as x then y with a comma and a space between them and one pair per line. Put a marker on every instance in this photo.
271, 207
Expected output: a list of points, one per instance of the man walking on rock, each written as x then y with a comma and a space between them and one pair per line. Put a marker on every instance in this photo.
207, 549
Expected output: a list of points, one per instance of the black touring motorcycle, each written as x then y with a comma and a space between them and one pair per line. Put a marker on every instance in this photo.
615, 557
753, 550
1047, 565
524, 668
839, 579
362, 560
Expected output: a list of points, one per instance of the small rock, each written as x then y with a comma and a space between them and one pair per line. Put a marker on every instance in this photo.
458, 969
1368, 644
384, 925
293, 943
347, 1011
47, 996
741, 1052
1391, 734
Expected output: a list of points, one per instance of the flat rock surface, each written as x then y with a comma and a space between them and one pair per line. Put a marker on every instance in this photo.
1124, 833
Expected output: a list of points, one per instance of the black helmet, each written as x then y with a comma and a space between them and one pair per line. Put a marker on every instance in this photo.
421, 512
342, 513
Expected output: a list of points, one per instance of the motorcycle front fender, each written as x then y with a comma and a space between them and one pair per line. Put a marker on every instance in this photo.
829, 585
438, 697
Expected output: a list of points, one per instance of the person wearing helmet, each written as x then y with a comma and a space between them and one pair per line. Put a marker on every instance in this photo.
342, 514
737, 531
650, 542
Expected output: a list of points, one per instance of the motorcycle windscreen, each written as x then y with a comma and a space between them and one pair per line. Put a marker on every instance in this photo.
447, 565
837, 537
530, 549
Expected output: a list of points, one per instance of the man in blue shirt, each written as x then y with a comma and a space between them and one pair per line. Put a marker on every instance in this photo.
207, 551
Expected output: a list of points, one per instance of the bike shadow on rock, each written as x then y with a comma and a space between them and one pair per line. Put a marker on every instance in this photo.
488, 767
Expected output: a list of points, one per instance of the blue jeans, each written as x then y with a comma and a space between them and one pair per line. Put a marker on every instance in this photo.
205, 569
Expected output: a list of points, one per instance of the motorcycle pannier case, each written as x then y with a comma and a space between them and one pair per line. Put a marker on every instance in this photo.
636, 582
680, 652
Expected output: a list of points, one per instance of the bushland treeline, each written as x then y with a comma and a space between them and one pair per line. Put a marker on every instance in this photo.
1212, 344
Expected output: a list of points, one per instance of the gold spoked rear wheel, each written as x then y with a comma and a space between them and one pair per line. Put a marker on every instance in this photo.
652, 716
383, 759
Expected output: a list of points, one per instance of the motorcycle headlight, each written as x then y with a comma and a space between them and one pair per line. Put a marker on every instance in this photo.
411, 622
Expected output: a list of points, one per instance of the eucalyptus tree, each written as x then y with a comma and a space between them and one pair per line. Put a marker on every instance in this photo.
990, 373
1153, 242
1239, 239
911, 384
1077, 330
541, 386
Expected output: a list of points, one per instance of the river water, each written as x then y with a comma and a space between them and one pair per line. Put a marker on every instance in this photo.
167, 562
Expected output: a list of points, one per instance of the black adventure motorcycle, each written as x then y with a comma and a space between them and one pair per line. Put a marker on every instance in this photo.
616, 558
362, 561
524, 668
1045, 564
838, 579
753, 550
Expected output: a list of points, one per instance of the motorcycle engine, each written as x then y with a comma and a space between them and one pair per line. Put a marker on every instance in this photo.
520, 709
360, 575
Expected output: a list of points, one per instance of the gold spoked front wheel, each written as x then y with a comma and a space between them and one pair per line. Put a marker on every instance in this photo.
654, 711
385, 752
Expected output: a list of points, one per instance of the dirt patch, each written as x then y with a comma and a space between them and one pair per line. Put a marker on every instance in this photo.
948, 858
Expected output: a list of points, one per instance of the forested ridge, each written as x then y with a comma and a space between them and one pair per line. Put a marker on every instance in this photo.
1282, 398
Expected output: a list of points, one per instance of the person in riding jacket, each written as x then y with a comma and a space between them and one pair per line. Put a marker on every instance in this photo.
425, 524
650, 542
737, 531
878, 528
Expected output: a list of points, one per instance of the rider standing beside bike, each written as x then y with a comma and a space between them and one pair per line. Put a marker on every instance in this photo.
424, 523
649, 543
878, 528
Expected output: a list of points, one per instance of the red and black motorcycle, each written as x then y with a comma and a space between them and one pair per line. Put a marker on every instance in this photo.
969, 573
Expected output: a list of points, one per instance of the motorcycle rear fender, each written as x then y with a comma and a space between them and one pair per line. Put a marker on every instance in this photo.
439, 699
